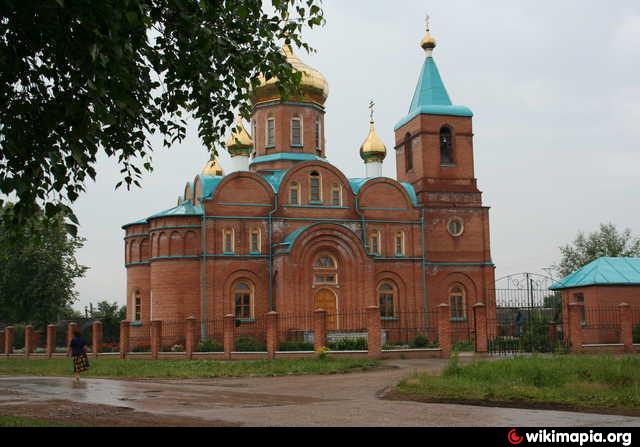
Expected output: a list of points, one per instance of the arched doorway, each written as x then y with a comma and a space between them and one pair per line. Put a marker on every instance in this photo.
326, 299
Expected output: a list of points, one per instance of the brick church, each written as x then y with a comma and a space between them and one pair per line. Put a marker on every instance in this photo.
282, 228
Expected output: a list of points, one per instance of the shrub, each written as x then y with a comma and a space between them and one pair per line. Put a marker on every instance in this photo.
323, 354
209, 346
464, 346
295, 346
356, 344
421, 341
246, 343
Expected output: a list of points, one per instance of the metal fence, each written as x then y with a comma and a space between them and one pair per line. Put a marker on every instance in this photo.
600, 324
250, 335
296, 332
404, 330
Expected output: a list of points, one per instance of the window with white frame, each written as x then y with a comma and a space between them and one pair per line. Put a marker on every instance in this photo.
318, 142
243, 298
294, 194
254, 241
228, 241
271, 132
400, 243
374, 243
336, 195
325, 270
315, 188
137, 300
296, 131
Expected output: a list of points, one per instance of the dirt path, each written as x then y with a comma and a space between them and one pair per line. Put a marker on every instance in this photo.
333, 400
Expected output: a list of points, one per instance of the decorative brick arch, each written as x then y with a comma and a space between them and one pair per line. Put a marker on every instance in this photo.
373, 183
317, 166
229, 179
461, 278
259, 290
176, 244
401, 285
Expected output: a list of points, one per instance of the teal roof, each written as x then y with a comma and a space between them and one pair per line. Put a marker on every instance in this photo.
138, 222
358, 183
209, 185
287, 156
274, 178
186, 209
603, 272
431, 97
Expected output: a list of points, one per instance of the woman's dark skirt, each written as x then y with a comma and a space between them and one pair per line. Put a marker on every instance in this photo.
80, 363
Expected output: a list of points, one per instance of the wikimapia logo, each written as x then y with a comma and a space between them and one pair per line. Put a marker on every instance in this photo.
578, 438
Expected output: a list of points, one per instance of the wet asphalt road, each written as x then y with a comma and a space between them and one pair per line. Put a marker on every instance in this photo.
333, 400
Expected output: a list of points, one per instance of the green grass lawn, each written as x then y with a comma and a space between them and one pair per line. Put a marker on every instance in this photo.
16, 421
117, 368
589, 383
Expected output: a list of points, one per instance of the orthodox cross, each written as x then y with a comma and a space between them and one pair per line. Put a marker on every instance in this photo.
371, 107
427, 20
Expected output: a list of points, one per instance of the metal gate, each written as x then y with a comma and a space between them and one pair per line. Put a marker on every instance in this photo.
528, 316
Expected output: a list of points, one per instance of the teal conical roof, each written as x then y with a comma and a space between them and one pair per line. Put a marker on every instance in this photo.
431, 97
603, 272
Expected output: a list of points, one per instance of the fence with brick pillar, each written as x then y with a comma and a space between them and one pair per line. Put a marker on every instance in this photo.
480, 321
576, 311
444, 330
9, 332
228, 335
28, 340
190, 337
156, 338
272, 334
124, 339
319, 329
71, 329
51, 339
374, 332
96, 338
626, 327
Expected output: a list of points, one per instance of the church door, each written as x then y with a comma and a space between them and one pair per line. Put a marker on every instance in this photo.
326, 299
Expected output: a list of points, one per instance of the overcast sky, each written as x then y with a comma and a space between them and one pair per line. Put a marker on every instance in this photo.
554, 86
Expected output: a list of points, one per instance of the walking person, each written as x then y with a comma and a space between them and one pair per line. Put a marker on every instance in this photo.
78, 351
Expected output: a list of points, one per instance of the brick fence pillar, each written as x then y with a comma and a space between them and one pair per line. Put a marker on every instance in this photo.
2, 342
444, 330
190, 339
374, 333
626, 327
28, 340
575, 327
272, 334
156, 337
51, 340
9, 332
319, 329
96, 337
71, 328
228, 328
124, 339
480, 321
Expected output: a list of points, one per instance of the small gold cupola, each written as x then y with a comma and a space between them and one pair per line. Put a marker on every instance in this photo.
239, 143
428, 42
212, 168
373, 149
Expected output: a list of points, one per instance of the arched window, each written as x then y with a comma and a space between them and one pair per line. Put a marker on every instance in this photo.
318, 142
137, 306
325, 270
294, 194
296, 131
457, 297
228, 241
255, 241
315, 188
375, 243
400, 243
336, 195
446, 146
388, 296
408, 153
271, 133
243, 294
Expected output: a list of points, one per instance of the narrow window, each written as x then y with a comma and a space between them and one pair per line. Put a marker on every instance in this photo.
374, 243
336, 195
579, 297
400, 244
228, 241
318, 147
446, 146
255, 241
243, 300
325, 271
138, 307
294, 194
315, 194
408, 153
296, 131
271, 132
456, 303
254, 137
387, 297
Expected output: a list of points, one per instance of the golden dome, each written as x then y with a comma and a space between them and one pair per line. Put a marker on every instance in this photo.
212, 168
373, 149
313, 86
428, 41
239, 142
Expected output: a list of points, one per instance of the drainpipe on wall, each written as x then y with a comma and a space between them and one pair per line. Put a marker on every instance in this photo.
203, 276
425, 297
362, 224
270, 217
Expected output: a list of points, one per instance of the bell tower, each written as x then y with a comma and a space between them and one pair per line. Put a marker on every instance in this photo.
434, 142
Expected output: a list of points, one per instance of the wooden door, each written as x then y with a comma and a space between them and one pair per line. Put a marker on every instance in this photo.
326, 299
